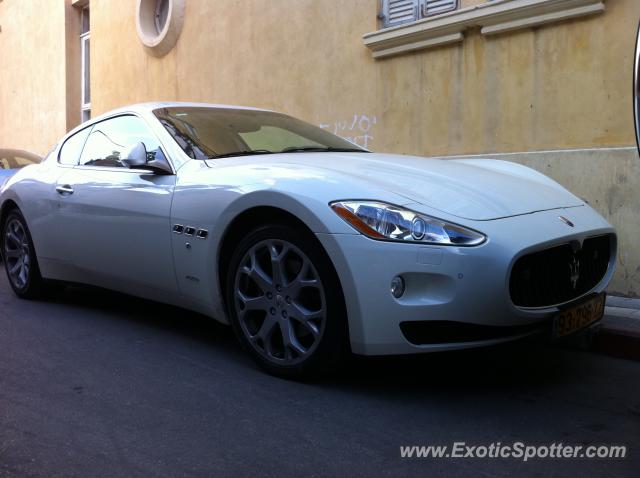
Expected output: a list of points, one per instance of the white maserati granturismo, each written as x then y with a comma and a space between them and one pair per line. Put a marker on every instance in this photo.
308, 245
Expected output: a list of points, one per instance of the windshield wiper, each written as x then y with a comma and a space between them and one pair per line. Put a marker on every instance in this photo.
294, 149
242, 153
322, 149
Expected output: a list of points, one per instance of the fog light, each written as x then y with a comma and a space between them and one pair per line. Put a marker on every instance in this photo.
397, 287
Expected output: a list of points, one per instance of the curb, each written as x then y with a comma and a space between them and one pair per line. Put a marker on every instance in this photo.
618, 334
623, 302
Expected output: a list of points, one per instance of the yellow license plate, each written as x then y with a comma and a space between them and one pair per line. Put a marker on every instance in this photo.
579, 317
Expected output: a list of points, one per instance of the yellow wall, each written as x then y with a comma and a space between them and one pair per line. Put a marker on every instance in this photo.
470, 3
32, 74
560, 86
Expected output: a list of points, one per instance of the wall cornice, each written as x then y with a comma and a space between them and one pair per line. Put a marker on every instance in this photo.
492, 18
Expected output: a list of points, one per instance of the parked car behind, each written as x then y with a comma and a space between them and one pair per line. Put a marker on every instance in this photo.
11, 160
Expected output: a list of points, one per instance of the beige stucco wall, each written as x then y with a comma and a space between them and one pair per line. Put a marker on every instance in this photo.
470, 3
560, 86
32, 74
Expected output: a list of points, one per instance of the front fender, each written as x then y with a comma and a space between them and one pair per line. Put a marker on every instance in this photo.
196, 261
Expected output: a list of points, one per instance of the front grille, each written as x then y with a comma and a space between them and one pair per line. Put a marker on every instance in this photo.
559, 274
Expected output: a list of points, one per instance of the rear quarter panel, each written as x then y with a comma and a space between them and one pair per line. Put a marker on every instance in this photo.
32, 190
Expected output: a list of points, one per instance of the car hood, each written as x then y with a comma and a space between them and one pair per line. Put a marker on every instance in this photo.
476, 189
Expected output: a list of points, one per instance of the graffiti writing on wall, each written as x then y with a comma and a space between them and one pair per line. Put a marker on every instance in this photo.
358, 129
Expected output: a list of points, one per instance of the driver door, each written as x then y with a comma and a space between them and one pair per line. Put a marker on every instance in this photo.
116, 220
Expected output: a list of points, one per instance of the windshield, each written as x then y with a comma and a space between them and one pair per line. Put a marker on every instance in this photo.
205, 133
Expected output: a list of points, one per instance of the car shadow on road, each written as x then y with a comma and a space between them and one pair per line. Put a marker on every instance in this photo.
145, 313
503, 367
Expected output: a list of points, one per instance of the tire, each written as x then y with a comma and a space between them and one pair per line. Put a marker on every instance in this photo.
19, 257
285, 303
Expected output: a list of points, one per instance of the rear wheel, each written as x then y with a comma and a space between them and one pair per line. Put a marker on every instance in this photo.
19, 255
285, 302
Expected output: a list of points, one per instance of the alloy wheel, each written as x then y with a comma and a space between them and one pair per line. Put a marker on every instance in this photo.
280, 301
17, 254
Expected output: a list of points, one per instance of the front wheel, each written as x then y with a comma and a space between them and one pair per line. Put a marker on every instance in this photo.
285, 302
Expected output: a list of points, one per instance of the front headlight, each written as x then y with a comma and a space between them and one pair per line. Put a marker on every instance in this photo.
379, 220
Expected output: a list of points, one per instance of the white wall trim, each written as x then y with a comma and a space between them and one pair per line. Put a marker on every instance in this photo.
420, 45
492, 17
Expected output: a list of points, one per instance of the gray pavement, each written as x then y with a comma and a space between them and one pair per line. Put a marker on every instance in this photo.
99, 384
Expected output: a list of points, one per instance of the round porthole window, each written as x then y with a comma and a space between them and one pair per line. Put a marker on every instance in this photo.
159, 23
162, 14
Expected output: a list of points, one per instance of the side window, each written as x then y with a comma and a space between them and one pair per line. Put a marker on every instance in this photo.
397, 12
72, 147
110, 140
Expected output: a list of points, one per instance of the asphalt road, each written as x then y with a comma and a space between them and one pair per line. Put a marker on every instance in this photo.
99, 384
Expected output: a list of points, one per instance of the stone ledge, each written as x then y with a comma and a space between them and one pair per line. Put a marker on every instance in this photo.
623, 313
493, 17
623, 302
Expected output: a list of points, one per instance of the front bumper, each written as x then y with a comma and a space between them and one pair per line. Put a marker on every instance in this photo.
468, 286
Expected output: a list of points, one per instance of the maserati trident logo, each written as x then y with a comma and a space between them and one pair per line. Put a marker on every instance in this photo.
574, 272
566, 221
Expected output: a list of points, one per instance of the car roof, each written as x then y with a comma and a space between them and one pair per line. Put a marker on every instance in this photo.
149, 107
146, 108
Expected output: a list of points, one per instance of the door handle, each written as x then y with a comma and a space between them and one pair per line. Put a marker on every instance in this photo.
64, 190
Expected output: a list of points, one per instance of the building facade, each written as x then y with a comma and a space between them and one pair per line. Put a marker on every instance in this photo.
546, 83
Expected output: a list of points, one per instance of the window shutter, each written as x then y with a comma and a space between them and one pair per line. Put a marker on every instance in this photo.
396, 12
433, 7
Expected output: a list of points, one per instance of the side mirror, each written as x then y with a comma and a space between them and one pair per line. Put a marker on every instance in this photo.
137, 157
